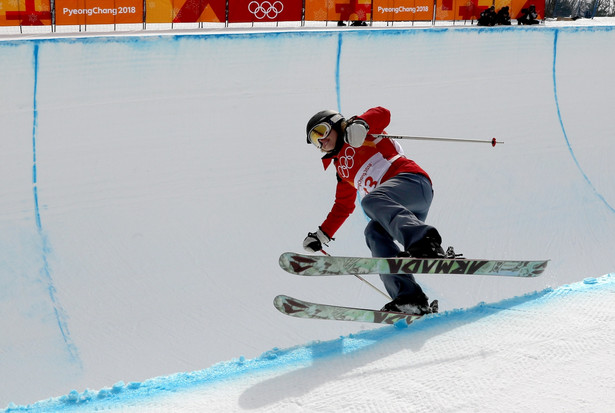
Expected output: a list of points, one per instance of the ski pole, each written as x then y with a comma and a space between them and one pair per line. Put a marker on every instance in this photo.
493, 141
364, 280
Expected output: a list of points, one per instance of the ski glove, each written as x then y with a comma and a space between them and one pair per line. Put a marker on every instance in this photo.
356, 132
315, 240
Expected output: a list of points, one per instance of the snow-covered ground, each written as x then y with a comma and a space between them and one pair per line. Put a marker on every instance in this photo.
551, 351
150, 183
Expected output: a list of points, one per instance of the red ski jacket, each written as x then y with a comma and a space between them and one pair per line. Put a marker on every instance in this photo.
364, 168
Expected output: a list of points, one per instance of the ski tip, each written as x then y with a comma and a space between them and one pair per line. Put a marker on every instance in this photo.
278, 298
278, 302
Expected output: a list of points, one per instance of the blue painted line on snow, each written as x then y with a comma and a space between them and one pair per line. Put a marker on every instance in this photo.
337, 72
45, 271
561, 122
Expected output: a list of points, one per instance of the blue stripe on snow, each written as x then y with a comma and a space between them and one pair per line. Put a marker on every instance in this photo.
561, 122
337, 72
45, 248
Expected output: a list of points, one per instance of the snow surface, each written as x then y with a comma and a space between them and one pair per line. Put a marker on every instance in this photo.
150, 183
539, 352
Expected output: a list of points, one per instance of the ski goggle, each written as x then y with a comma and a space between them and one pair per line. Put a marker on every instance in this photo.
319, 132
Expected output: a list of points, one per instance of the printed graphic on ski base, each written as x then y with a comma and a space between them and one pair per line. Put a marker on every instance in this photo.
317, 265
304, 309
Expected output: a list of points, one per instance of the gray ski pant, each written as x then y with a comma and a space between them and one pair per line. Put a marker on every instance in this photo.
397, 209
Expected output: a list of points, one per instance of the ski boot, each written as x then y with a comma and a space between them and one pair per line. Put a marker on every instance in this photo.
410, 305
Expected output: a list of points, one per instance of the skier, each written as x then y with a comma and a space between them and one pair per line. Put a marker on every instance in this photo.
396, 195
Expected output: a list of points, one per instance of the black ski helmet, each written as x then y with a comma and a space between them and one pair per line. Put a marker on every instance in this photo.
329, 116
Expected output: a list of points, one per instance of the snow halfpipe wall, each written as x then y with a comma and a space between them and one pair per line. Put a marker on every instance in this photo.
149, 183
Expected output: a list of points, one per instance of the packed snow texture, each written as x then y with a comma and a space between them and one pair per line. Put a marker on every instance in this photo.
539, 352
150, 183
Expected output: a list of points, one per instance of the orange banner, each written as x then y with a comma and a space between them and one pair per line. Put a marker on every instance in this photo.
445, 9
80, 12
245, 11
336, 10
159, 11
461, 9
502, 3
25, 13
185, 11
517, 6
402, 10
471, 9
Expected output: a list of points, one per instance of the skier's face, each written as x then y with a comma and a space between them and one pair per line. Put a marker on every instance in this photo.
329, 141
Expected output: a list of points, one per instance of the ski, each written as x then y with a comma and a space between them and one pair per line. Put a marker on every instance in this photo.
303, 309
326, 265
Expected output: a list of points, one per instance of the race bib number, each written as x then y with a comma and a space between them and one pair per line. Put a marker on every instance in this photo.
371, 172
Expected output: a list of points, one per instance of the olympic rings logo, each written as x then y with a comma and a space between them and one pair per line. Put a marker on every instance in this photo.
265, 9
346, 162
